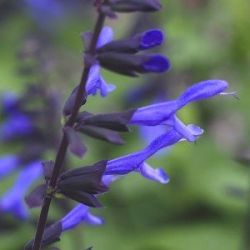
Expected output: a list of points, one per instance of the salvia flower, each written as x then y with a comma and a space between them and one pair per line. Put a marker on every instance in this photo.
164, 113
120, 56
136, 161
13, 199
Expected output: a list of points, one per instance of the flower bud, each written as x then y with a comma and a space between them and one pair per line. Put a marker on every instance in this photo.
127, 64
145, 40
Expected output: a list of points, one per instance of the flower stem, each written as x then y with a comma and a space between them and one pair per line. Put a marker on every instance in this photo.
64, 142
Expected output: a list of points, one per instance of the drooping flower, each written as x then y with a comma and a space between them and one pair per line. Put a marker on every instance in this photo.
136, 161
13, 200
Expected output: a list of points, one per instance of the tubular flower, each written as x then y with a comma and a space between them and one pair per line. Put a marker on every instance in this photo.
136, 161
164, 113
13, 199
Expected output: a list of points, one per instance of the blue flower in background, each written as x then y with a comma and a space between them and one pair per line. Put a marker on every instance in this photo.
15, 126
13, 200
8, 164
78, 215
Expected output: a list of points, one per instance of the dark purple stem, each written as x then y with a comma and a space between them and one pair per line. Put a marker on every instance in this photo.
64, 142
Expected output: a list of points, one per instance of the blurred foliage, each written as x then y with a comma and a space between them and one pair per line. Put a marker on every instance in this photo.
197, 209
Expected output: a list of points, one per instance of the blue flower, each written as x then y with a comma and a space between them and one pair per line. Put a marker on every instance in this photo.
164, 113
13, 199
95, 81
8, 163
79, 214
15, 126
136, 161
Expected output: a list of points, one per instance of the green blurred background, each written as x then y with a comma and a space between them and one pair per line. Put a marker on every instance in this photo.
205, 204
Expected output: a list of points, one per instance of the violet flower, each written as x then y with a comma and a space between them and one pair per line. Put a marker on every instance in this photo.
136, 161
13, 200
164, 113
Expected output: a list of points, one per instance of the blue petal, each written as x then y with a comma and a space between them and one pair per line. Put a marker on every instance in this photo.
79, 214
13, 199
108, 179
203, 90
96, 83
155, 114
158, 175
74, 217
157, 64
105, 37
190, 133
93, 219
131, 162
8, 163
151, 38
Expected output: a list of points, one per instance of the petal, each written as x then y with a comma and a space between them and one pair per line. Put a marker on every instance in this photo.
74, 217
131, 162
97, 83
151, 38
157, 64
185, 131
106, 88
202, 90
154, 114
93, 220
158, 175
105, 37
